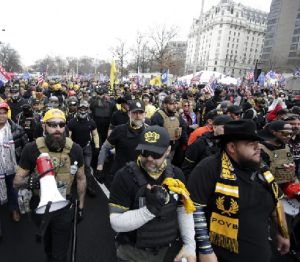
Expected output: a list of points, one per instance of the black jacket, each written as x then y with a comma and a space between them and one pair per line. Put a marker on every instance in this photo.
19, 136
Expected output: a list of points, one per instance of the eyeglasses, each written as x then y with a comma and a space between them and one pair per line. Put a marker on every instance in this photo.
55, 125
186, 105
154, 155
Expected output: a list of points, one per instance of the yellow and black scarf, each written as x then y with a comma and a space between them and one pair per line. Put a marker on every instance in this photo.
224, 221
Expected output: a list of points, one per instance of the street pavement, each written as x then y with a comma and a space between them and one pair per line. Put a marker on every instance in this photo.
95, 236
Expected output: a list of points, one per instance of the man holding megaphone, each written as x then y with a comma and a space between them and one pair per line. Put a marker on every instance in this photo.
57, 161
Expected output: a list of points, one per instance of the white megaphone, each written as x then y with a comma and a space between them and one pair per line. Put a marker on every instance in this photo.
50, 197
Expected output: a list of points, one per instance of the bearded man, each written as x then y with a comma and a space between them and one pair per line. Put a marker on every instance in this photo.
235, 195
149, 204
124, 138
64, 154
168, 118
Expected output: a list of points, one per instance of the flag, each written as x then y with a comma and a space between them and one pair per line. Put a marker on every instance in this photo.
41, 79
250, 75
297, 73
261, 79
156, 81
113, 75
25, 76
4, 76
196, 78
164, 77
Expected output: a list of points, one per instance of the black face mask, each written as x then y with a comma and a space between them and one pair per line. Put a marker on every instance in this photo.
53, 143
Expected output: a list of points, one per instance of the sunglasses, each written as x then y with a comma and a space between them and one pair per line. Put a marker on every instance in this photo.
154, 155
285, 133
55, 125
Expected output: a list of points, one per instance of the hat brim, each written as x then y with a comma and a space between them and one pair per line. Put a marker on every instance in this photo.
267, 136
151, 148
137, 110
234, 137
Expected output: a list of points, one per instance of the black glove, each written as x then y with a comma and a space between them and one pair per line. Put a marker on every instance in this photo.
156, 198
33, 182
100, 176
80, 215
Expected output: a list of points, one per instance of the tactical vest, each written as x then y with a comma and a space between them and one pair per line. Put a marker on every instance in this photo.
61, 162
171, 123
278, 159
163, 229
102, 109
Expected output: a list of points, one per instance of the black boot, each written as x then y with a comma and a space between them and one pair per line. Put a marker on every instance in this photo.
90, 187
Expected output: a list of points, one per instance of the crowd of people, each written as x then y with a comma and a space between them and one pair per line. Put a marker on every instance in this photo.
195, 175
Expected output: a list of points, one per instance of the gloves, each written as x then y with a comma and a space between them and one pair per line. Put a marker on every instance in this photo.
33, 182
100, 176
80, 215
156, 198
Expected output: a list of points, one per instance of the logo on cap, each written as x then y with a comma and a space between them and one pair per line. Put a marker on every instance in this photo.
151, 137
138, 104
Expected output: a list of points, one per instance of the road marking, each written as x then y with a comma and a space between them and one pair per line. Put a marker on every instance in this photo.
102, 186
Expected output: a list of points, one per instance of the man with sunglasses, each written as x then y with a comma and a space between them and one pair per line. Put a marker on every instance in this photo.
276, 152
64, 155
82, 129
145, 212
124, 138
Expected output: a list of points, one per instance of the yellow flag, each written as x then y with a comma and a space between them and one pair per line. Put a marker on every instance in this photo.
156, 81
113, 75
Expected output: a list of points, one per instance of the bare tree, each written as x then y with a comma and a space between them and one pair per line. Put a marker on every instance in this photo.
120, 53
10, 58
45, 65
160, 36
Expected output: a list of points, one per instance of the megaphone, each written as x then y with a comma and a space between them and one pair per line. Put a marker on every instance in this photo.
50, 199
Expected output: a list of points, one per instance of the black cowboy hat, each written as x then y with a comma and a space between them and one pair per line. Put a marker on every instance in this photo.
244, 129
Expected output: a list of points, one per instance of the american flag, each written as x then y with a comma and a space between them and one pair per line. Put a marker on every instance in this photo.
210, 86
196, 78
41, 79
250, 75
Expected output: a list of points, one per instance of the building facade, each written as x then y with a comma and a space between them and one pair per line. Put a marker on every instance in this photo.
281, 49
228, 39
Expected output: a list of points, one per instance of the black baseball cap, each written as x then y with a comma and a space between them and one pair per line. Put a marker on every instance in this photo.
277, 125
234, 109
154, 139
221, 120
136, 105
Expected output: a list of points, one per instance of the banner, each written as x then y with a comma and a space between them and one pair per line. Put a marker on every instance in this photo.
113, 75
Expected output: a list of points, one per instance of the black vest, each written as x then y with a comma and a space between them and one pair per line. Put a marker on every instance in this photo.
163, 229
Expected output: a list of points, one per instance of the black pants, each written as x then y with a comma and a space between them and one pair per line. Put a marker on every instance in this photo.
57, 236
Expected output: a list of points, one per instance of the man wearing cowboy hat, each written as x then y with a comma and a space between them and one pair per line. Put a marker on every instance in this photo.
235, 195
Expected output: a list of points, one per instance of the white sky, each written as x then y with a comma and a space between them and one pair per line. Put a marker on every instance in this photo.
36, 28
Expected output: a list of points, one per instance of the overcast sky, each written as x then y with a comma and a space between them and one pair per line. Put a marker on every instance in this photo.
36, 28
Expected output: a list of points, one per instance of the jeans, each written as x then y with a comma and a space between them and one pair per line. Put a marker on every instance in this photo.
12, 194
87, 157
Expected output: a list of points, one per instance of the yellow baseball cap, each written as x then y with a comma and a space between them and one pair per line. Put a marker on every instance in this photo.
54, 113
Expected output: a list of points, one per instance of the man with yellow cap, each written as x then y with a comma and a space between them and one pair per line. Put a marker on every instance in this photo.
67, 160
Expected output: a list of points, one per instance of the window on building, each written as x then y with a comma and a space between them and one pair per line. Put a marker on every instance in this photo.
216, 62
295, 39
292, 54
215, 69
230, 32
294, 47
297, 31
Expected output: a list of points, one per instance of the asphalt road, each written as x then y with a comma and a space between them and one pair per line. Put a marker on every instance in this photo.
95, 236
